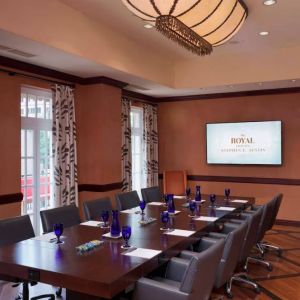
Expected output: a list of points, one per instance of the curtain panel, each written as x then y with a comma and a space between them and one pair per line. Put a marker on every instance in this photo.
126, 145
150, 145
64, 146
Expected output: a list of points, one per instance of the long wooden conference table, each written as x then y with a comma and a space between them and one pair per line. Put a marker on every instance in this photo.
106, 271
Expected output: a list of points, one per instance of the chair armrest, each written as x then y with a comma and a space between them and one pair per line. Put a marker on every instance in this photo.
228, 227
187, 255
205, 243
217, 235
148, 289
176, 268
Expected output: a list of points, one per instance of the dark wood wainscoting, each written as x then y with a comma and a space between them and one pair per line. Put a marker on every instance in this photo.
11, 198
255, 180
83, 187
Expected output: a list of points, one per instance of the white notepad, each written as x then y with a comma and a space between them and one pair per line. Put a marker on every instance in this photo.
92, 223
48, 237
179, 197
201, 201
155, 203
108, 235
134, 210
143, 253
226, 208
180, 232
207, 219
174, 213
239, 201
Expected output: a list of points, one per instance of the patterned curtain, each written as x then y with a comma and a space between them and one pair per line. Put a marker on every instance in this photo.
126, 145
150, 144
64, 146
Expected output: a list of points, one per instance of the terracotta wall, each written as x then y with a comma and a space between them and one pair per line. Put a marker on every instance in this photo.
98, 113
182, 144
10, 130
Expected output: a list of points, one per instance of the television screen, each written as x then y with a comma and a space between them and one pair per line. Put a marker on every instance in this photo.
251, 143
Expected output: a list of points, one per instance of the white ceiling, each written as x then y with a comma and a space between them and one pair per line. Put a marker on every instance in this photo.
281, 20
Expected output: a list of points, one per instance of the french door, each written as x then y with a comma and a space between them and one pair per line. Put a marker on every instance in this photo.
36, 153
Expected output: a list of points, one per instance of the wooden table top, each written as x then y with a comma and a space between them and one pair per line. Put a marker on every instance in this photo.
105, 271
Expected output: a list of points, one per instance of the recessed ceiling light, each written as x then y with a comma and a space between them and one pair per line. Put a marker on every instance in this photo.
264, 33
294, 80
260, 83
231, 86
148, 26
269, 2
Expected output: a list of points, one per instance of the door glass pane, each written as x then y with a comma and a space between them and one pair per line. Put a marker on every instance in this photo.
29, 143
23, 105
23, 143
48, 109
40, 108
31, 106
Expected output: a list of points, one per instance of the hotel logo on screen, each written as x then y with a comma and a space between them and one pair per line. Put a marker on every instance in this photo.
243, 140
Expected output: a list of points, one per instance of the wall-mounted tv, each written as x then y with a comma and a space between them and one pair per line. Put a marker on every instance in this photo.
246, 143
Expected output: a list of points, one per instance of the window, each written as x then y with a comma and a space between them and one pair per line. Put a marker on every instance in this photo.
36, 153
138, 176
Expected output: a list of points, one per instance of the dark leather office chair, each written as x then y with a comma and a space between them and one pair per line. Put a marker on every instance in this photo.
184, 279
94, 208
12, 231
151, 194
68, 215
276, 202
253, 221
127, 200
234, 237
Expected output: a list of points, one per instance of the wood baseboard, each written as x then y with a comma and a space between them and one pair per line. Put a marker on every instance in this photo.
288, 223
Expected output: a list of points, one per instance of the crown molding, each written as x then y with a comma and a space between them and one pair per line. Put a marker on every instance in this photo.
68, 78
289, 90
139, 97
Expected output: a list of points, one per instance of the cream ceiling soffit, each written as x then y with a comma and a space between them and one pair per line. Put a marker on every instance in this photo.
75, 33
274, 65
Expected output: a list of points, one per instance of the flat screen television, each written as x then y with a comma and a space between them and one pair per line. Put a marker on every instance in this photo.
245, 143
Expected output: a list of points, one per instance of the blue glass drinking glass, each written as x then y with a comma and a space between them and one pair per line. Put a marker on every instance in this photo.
212, 199
192, 206
164, 216
58, 229
105, 217
188, 192
126, 234
171, 204
198, 193
227, 193
115, 224
166, 199
143, 206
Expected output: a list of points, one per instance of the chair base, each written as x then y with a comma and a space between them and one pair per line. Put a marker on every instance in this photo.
25, 294
268, 247
243, 278
258, 260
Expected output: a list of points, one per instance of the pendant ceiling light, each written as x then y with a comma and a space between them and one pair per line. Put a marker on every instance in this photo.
198, 25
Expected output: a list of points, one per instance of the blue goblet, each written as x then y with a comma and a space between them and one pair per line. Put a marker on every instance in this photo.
166, 199
212, 199
105, 217
188, 192
58, 229
227, 193
142, 206
164, 216
192, 206
126, 234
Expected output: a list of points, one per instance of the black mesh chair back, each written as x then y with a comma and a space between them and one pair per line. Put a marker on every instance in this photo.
151, 194
127, 200
14, 230
94, 208
68, 215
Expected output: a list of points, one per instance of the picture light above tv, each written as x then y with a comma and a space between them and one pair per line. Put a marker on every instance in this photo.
244, 143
